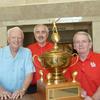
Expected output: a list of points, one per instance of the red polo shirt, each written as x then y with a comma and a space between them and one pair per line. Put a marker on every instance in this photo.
37, 51
88, 73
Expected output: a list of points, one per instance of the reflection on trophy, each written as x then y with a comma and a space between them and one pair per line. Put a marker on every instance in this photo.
56, 60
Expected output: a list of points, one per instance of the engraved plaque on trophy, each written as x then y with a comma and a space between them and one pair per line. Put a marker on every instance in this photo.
61, 91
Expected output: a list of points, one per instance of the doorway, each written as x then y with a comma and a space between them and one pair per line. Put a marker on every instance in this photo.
65, 30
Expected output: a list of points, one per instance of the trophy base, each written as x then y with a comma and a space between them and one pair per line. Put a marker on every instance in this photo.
62, 91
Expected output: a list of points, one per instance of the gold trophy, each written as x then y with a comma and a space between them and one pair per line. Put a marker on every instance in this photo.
56, 61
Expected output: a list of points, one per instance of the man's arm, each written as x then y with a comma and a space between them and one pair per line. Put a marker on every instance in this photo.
19, 93
96, 95
27, 81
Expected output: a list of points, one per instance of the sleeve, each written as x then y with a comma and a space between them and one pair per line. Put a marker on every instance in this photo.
29, 66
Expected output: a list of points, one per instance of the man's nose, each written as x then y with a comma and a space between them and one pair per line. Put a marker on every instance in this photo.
80, 43
40, 33
16, 38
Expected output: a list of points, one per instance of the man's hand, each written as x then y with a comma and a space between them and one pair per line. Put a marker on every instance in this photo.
18, 94
4, 95
88, 98
83, 93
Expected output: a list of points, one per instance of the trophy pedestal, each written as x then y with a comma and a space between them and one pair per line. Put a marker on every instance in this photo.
61, 91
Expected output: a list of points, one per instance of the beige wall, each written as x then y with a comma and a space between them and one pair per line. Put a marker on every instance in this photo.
17, 16
3, 35
27, 2
96, 36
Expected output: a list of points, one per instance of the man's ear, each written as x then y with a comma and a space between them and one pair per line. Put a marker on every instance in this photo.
91, 44
8, 40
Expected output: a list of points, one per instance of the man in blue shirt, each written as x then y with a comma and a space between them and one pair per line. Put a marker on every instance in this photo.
16, 66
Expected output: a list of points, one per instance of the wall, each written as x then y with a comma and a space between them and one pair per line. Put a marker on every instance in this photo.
27, 2
3, 36
89, 10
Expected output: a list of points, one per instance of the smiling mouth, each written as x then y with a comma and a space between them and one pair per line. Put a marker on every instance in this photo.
81, 48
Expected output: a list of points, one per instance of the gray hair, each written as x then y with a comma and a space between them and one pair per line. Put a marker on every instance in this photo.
38, 25
14, 28
82, 33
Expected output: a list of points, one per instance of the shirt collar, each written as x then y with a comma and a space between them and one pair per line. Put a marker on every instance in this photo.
89, 56
43, 46
9, 51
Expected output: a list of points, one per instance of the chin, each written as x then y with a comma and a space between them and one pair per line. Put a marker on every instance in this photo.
16, 47
82, 52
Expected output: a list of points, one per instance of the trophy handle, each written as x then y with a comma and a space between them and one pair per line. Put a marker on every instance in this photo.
37, 57
77, 58
41, 71
34, 57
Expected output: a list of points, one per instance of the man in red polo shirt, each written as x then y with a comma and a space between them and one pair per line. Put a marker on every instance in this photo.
87, 66
41, 33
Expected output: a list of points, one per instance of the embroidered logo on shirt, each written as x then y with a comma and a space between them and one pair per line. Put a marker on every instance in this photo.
92, 64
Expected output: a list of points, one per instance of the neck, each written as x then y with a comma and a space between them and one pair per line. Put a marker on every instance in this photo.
83, 56
42, 44
13, 51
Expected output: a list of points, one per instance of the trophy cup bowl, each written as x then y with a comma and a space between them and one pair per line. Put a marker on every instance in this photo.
56, 61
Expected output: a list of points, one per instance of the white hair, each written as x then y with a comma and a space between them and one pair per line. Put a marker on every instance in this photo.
39, 25
82, 33
14, 28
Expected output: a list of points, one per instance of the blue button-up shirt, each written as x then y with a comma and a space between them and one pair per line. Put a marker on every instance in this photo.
13, 70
